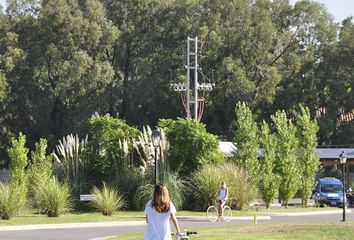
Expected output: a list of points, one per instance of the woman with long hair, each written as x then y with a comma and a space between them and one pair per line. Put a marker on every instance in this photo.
158, 213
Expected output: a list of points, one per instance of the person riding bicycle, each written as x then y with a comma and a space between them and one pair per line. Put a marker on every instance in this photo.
223, 195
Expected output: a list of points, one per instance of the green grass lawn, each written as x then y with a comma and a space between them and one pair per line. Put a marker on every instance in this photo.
297, 209
290, 231
32, 218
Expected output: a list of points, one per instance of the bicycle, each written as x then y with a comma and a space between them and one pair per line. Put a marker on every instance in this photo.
213, 214
183, 235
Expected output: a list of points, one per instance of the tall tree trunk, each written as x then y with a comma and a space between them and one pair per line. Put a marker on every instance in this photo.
57, 116
111, 104
125, 83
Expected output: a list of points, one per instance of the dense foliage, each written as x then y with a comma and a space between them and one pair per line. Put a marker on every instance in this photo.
287, 166
191, 146
270, 179
40, 170
61, 60
246, 140
308, 158
19, 161
206, 182
109, 140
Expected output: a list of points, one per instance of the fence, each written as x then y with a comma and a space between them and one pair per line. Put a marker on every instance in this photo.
4, 175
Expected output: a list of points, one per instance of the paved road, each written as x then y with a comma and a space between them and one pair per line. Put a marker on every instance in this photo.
90, 233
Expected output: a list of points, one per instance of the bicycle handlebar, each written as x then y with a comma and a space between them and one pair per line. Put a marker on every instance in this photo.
184, 233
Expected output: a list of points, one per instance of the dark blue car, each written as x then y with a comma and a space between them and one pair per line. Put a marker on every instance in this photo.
329, 191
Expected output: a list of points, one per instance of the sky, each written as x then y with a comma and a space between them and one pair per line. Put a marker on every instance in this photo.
340, 9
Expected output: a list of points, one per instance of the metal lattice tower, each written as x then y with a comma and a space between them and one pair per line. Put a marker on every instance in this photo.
189, 90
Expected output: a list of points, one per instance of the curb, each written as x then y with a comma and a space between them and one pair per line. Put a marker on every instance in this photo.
245, 218
71, 225
103, 238
288, 214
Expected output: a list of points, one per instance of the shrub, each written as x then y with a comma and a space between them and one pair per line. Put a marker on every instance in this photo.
191, 146
176, 188
205, 184
128, 181
54, 198
106, 137
175, 185
107, 200
145, 149
143, 194
40, 170
12, 200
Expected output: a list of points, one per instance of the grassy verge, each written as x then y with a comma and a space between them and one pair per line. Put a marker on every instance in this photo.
298, 209
31, 218
290, 231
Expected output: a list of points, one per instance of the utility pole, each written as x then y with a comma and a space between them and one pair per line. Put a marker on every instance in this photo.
192, 102
192, 64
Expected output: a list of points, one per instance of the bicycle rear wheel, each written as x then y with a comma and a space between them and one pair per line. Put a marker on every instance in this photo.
227, 214
212, 214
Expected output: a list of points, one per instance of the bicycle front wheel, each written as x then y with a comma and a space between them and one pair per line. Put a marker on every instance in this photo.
212, 214
227, 214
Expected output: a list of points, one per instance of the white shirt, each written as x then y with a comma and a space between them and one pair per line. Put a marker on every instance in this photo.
158, 225
223, 194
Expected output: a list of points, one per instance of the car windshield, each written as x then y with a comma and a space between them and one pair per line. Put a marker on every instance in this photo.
331, 188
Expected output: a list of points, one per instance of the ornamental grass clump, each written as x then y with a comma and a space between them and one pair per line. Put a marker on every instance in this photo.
107, 200
55, 198
205, 183
175, 185
12, 200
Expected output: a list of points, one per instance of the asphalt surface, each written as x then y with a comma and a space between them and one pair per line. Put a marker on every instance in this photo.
81, 232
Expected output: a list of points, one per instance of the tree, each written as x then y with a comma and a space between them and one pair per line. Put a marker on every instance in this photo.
270, 180
286, 162
73, 68
147, 56
308, 159
62, 60
310, 29
241, 36
191, 146
11, 55
19, 160
336, 85
246, 140
135, 19
40, 169
20, 8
